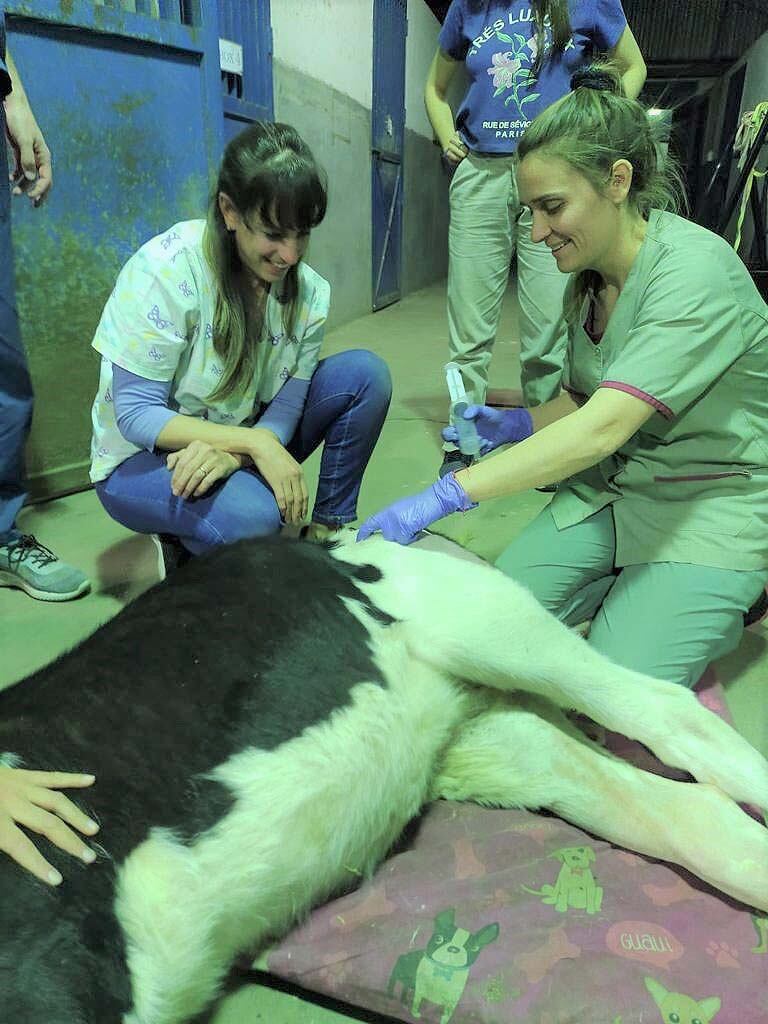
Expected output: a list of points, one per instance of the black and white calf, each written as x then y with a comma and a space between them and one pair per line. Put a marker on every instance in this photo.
263, 725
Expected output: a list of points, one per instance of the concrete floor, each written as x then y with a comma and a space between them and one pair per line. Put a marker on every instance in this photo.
411, 337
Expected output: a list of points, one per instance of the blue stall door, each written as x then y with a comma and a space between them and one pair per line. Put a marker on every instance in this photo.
246, 75
130, 104
390, 27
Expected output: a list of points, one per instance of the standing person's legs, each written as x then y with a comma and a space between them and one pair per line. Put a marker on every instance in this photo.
15, 384
24, 563
346, 406
480, 238
543, 335
568, 571
669, 620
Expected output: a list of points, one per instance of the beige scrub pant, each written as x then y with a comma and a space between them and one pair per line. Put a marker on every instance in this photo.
666, 619
487, 226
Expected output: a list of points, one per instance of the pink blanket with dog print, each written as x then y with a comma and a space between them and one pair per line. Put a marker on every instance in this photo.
502, 916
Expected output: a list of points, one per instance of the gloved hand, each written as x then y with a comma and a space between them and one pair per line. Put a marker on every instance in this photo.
494, 426
403, 519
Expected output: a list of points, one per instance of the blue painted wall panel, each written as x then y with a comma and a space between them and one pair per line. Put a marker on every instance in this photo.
131, 109
388, 107
387, 135
247, 97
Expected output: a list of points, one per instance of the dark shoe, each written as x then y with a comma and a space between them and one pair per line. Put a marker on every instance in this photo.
171, 553
453, 462
758, 609
321, 533
33, 568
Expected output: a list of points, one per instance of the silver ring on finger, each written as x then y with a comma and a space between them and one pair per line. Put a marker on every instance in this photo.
203, 471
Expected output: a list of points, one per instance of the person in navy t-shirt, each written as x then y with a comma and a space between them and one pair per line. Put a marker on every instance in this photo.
519, 58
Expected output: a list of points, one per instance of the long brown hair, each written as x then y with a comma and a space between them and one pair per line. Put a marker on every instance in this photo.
553, 11
267, 170
591, 128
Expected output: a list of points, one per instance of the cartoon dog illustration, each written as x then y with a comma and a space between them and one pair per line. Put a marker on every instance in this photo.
576, 886
674, 1006
439, 973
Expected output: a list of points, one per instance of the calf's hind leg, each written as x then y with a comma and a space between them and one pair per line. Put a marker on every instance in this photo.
517, 758
503, 638
312, 815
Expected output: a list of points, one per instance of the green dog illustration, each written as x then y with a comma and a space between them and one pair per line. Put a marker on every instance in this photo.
674, 1006
439, 973
576, 886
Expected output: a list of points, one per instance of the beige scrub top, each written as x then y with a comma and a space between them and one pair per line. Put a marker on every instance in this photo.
688, 335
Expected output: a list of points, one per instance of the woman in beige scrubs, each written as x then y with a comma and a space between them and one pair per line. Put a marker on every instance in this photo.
658, 532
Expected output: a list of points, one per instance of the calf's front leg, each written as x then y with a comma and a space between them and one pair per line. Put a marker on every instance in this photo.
516, 758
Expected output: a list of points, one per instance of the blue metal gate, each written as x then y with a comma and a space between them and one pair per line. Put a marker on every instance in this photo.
130, 104
390, 27
247, 81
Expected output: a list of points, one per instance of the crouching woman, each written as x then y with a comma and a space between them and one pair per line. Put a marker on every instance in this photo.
212, 393
658, 532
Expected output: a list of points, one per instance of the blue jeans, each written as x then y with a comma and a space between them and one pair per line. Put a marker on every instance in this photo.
15, 384
345, 409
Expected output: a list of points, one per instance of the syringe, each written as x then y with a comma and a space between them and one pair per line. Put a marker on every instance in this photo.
469, 442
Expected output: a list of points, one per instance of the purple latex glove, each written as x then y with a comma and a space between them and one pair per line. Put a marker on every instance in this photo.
494, 426
403, 519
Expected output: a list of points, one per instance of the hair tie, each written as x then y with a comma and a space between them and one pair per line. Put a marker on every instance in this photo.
592, 78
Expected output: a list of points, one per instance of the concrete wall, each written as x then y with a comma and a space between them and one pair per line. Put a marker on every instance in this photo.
338, 130
425, 220
323, 68
329, 40
420, 47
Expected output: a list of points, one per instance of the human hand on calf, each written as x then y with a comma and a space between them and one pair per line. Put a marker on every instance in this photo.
404, 519
31, 800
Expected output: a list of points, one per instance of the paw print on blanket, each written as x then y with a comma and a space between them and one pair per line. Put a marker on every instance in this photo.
723, 954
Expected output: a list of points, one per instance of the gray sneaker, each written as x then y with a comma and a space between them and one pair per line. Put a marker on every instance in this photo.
26, 564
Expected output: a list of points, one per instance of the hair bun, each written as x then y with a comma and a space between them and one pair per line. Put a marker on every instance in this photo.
596, 77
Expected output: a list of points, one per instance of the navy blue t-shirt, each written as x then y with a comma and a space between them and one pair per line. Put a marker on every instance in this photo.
498, 47
5, 78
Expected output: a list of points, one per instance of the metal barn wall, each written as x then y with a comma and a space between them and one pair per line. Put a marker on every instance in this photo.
247, 95
696, 30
